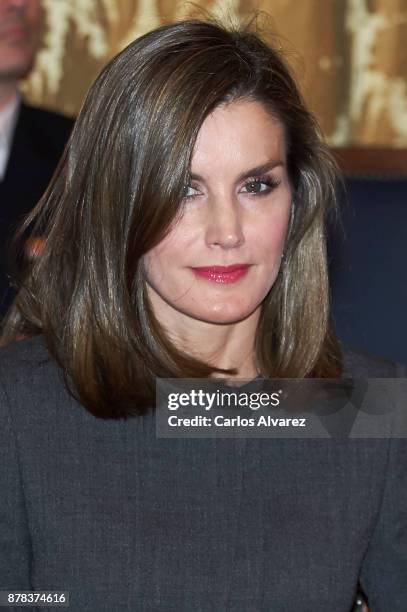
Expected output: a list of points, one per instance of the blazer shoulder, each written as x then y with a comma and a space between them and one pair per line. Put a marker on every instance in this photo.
22, 363
23, 353
360, 364
31, 382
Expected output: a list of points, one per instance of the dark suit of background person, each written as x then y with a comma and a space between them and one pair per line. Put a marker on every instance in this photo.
125, 520
31, 140
38, 141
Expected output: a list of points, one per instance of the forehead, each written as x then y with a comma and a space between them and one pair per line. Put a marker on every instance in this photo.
241, 132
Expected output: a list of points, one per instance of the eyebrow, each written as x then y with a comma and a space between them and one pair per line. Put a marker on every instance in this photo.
253, 172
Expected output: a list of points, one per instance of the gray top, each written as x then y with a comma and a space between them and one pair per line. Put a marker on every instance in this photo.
124, 520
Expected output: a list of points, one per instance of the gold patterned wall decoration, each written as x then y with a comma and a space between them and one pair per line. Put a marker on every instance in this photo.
349, 56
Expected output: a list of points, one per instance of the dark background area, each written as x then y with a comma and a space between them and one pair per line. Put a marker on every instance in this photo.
368, 254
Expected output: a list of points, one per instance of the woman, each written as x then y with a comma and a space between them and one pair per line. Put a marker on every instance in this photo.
185, 239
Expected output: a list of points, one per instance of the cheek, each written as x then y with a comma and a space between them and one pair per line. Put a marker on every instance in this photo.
35, 18
35, 10
269, 236
169, 251
153, 264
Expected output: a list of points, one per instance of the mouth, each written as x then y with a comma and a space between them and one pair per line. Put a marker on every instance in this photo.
13, 33
222, 274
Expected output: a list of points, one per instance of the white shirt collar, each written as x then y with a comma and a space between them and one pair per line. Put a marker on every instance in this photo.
8, 119
8, 115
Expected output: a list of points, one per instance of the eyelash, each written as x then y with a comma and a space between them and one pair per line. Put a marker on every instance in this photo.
265, 180
258, 180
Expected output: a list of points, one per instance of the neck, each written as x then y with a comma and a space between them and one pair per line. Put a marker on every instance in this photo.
221, 345
8, 91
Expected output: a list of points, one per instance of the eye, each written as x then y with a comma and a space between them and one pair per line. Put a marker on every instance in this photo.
190, 192
260, 185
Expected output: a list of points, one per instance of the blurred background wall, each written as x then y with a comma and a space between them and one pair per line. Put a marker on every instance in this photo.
350, 56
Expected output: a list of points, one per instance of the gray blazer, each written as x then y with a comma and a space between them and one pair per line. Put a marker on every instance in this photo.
124, 520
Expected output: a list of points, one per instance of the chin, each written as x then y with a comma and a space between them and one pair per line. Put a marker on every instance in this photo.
18, 69
223, 316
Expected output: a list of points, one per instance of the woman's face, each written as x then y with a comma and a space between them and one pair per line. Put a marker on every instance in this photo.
223, 255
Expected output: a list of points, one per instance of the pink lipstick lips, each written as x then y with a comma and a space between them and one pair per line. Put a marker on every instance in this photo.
223, 274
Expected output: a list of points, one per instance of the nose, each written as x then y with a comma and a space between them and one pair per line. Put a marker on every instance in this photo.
224, 226
14, 4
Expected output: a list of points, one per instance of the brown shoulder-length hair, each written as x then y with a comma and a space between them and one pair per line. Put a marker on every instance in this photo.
118, 190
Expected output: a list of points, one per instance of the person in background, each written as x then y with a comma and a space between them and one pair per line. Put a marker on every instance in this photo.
31, 139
